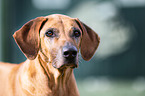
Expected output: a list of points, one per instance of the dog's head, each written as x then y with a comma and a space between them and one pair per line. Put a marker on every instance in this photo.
57, 39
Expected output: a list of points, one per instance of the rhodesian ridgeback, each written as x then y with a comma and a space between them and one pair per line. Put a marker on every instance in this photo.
51, 45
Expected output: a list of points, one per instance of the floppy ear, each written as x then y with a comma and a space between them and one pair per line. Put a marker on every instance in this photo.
90, 41
27, 37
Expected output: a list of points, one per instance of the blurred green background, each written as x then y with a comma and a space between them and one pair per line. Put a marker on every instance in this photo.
118, 67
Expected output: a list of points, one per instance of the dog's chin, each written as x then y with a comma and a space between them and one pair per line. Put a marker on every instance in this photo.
65, 66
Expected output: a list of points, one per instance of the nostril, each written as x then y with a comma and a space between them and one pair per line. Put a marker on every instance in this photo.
74, 53
66, 53
69, 52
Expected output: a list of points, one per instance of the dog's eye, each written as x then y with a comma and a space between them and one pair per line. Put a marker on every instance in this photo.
77, 33
49, 33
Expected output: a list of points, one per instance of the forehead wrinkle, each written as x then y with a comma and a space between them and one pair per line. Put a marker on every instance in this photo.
63, 26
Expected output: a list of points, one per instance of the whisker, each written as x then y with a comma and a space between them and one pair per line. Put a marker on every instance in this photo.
80, 61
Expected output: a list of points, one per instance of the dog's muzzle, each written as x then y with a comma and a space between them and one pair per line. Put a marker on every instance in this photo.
70, 55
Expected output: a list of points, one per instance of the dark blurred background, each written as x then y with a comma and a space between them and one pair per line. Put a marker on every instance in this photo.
118, 66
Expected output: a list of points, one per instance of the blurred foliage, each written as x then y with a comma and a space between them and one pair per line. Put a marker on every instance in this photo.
111, 87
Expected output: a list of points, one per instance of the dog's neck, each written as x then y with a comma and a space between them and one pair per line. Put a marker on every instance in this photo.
60, 81
43, 76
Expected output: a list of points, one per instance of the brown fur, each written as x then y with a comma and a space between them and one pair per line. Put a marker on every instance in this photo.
37, 76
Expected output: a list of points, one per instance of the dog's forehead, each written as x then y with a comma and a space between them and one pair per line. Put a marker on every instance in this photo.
58, 19
56, 16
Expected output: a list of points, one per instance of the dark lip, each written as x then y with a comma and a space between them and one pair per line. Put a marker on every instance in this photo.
64, 66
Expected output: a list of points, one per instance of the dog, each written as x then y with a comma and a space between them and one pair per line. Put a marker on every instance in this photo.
51, 45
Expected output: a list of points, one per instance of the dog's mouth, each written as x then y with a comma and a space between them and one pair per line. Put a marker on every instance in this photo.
72, 66
66, 64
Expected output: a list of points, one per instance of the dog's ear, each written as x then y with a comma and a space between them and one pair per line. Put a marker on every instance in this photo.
90, 41
27, 37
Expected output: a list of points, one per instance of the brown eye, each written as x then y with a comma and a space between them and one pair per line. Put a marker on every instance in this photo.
50, 33
77, 33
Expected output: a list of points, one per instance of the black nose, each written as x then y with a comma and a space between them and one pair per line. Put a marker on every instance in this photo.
69, 52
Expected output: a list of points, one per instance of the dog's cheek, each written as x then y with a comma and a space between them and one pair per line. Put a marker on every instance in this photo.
77, 43
47, 43
58, 59
45, 49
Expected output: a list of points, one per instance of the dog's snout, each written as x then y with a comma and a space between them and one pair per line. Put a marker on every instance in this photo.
69, 52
